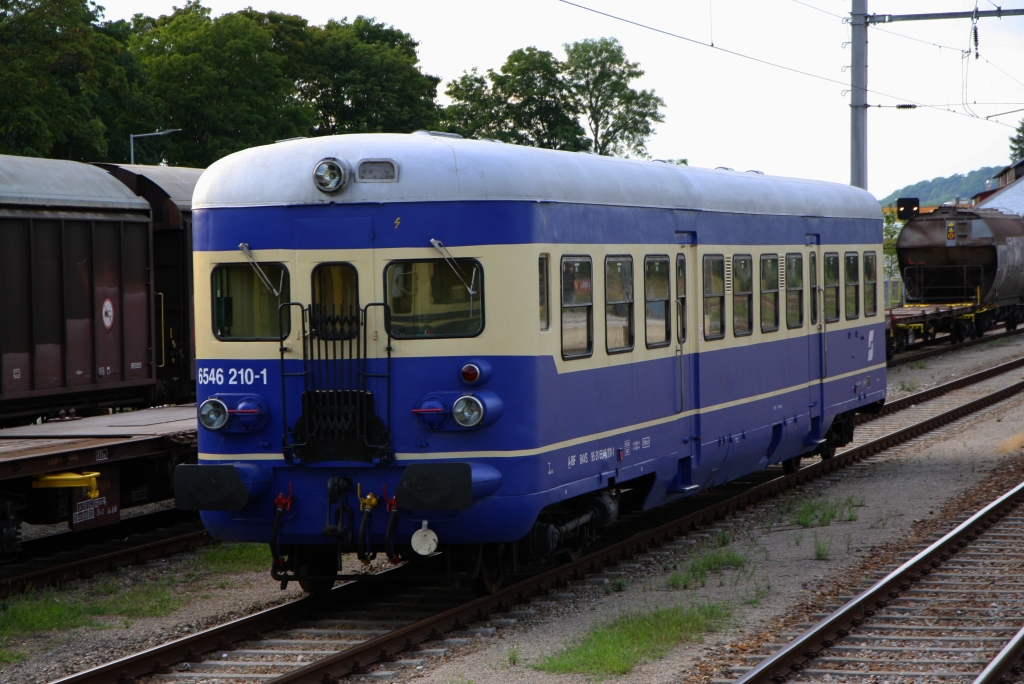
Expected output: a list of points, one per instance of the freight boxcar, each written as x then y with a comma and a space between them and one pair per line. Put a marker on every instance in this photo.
76, 294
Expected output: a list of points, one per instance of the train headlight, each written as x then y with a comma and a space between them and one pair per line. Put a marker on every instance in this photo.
213, 414
331, 175
468, 411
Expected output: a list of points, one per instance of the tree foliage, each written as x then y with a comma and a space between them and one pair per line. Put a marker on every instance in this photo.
938, 190
620, 120
891, 227
1017, 143
536, 99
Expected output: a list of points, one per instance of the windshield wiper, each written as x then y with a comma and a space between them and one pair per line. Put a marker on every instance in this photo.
450, 260
244, 249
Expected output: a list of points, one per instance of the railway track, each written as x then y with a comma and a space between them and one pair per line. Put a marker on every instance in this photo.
59, 558
951, 613
378, 625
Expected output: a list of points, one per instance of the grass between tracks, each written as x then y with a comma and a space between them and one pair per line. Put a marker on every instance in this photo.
232, 558
697, 571
615, 647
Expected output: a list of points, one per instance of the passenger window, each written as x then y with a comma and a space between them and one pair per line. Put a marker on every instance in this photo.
681, 298
335, 301
435, 298
769, 293
742, 295
852, 285
870, 284
244, 309
813, 268
794, 290
831, 287
577, 307
714, 297
618, 311
545, 314
657, 293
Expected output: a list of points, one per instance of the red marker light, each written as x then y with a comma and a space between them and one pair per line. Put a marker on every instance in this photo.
470, 373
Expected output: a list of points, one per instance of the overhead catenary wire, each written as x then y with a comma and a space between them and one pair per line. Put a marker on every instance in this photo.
767, 62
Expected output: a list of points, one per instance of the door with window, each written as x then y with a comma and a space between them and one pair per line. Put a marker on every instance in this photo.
816, 329
686, 270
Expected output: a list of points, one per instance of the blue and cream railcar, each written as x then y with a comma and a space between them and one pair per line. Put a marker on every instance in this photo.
417, 339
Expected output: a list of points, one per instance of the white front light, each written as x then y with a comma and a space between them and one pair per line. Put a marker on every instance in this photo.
213, 414
468, 411
330, 175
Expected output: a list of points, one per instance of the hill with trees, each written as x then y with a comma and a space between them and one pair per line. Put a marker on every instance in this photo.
938, 190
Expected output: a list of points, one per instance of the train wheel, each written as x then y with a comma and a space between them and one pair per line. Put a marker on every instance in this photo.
316, 559
491, 572
791, 465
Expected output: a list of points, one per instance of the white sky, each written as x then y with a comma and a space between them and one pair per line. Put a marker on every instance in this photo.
722, 110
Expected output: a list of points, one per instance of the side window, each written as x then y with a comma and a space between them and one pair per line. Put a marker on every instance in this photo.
545, 313
742, 295
244, 309
852, 272
870, 284
794, 290
769, 293
681, 298
335, 301
657, 296
577, 307
618, 310
813, 267
714, 297
831, 287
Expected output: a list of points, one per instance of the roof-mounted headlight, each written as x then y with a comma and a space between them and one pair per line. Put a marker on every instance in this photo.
331, 175
213, 414
468, 411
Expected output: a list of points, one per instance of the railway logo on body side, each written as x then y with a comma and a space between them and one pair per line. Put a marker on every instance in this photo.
107, 312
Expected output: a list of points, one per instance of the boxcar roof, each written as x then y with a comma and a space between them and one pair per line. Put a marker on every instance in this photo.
179, 182
436, 168
59, 183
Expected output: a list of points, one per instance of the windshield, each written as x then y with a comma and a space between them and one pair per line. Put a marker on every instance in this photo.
429, 298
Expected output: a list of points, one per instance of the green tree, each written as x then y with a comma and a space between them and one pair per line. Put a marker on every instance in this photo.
1017, 143
526, 103
364, 77
52, 66
891, 228
220, 81
620, 119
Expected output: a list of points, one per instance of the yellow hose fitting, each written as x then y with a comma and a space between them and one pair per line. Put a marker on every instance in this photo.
369, 502
68, 480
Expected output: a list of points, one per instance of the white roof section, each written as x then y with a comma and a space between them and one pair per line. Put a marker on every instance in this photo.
1009, 199
436, 168
59, 183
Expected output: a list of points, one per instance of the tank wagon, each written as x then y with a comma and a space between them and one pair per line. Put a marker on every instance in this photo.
410, 342
964, 274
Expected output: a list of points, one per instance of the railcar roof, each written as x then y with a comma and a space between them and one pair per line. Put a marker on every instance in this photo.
435, 168
59, 183
1009, 199
179, 182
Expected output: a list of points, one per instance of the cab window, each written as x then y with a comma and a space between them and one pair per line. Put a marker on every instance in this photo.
657, 293
714, 297
335, 301
742, 295
244, 309
577, 307
435, 298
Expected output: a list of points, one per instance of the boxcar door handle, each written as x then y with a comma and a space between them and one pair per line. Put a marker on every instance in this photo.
163, 333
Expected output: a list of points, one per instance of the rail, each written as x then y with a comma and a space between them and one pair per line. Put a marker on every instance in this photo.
385, 647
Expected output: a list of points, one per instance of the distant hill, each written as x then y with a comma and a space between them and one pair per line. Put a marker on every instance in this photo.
938, 190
